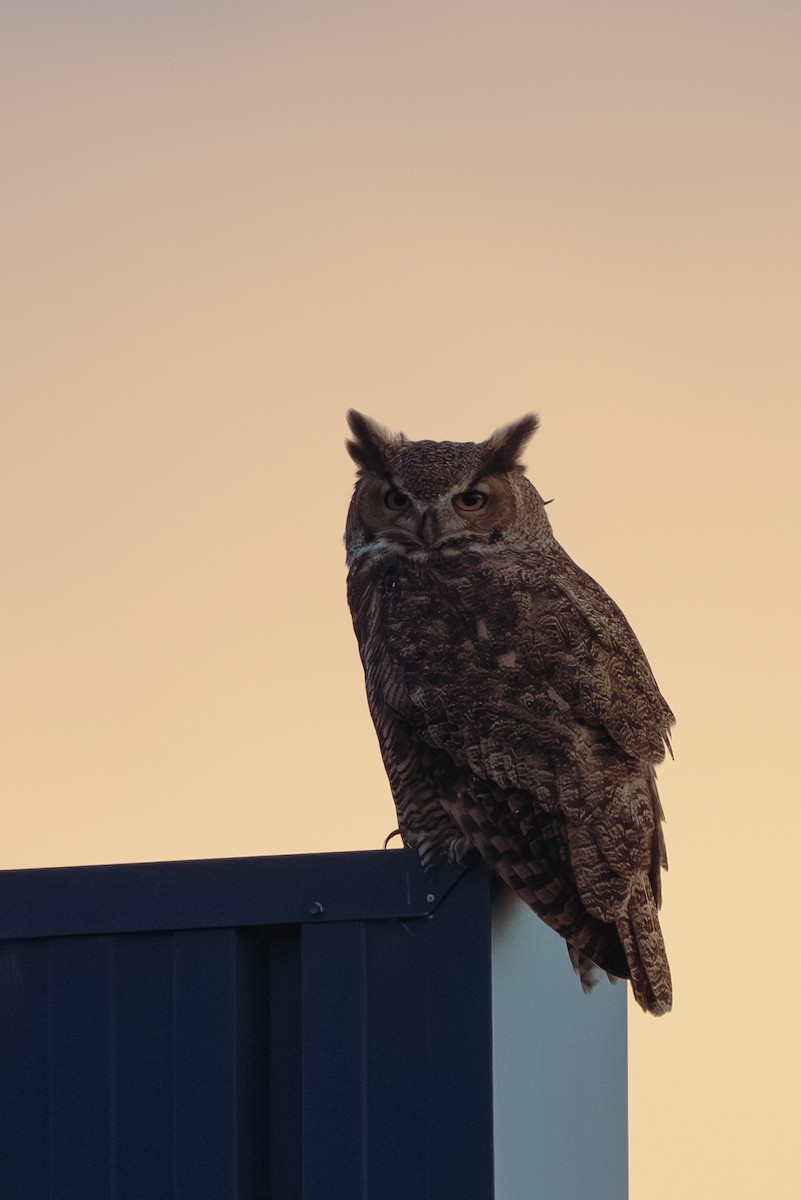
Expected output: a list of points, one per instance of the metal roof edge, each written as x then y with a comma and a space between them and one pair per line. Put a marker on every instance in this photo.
221, 893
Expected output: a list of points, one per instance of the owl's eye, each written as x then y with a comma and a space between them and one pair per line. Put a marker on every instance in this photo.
395, 500
470, 501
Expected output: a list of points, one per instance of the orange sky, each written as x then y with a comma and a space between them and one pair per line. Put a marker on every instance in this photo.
227, 223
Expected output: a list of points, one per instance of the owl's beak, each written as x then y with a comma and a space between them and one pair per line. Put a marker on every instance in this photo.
428, 529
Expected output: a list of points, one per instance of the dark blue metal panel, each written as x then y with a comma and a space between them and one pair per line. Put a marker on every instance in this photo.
429, 1040
257, 970
284, 1122
334, 1083
397, 1055
458, 1056
257, 1049
81, 1067
143, 1105
134, 1067
396, 1049
204, 1065
24, 1091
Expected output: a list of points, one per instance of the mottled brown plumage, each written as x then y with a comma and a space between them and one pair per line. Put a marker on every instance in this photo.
516, 712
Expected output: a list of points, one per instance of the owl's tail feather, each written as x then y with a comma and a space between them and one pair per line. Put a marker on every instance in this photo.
645, 950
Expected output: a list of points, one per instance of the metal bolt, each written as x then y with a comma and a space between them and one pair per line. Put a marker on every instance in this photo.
316, 908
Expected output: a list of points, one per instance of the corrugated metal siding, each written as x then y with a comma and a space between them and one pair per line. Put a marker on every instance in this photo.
303, 1028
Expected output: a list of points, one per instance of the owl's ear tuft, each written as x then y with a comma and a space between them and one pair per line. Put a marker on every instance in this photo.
503, 448
370, 443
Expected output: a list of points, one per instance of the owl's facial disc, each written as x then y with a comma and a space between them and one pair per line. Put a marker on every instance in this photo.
461, 516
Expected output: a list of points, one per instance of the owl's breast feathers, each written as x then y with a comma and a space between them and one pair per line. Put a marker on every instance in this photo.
513, 702
514, 638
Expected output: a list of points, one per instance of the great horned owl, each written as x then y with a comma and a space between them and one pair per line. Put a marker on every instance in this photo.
516, 712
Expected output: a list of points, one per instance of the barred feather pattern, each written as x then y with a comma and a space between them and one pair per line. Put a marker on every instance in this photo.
516, 712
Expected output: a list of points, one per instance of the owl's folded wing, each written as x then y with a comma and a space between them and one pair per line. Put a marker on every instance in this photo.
605, 669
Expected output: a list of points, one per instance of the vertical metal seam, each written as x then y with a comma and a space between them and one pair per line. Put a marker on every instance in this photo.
113, 1067
365, 1113
51, 1097
173, 1039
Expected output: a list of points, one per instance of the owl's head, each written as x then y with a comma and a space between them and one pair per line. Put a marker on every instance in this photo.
427, 498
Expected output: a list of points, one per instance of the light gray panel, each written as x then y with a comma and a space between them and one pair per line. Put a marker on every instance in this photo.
559, 1066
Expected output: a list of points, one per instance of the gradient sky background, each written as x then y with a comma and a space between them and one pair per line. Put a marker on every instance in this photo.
223, 224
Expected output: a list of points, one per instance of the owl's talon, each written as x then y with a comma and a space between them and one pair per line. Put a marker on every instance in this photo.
390, 836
